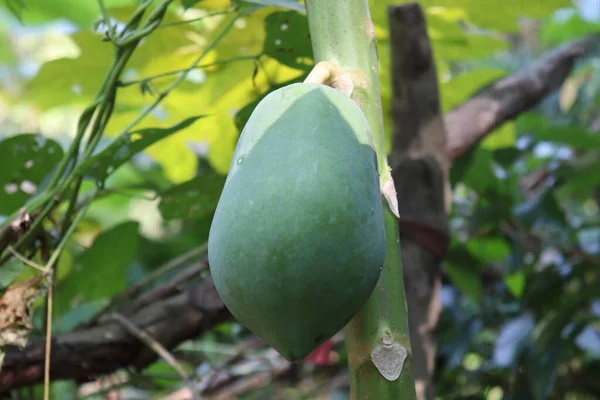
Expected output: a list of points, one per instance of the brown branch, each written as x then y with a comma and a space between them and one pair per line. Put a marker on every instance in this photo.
85, 354
506, 98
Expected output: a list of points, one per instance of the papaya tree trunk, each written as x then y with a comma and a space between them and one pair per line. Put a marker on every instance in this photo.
377, 338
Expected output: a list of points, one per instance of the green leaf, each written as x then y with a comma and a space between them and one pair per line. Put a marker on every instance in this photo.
25, 160
7, 54
289, 4
466, 280
16, 8
451, 42
83, 13
196, 198
76, 80
506, 157
463, 86
580, 179
189, 3
505, 136
566, 24
489, 249
500, 17
79, 314
541, 206
9, 271
288, 40
122, 149
515, 283
570, 135
100, 272
464, 271
475, 170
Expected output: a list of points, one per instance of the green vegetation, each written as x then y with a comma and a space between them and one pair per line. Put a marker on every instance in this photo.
119, 121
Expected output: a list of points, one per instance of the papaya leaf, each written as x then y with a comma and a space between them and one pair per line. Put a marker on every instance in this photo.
25, 160
122, 149
287, 39
195, 198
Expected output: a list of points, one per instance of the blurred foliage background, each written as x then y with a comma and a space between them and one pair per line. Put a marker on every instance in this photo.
521, 293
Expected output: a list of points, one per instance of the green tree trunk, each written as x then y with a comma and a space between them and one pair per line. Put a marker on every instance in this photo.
377, 338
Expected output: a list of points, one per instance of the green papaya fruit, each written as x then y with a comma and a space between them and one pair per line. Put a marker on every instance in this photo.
297, 241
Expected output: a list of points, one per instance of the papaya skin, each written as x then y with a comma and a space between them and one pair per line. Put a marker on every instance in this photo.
297, 242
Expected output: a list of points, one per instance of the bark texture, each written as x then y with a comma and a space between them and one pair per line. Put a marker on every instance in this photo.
420, 169
506, 98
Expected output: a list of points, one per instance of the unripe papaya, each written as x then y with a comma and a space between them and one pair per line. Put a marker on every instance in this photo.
297, 241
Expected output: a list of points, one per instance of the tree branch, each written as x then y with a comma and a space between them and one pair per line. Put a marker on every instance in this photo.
506, 98
84, 354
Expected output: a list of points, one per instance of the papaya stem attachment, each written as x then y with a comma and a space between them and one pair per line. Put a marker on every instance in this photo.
329, 73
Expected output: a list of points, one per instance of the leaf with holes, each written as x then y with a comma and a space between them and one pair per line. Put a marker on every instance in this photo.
122, 149
25, 161
287, 39
195, 198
